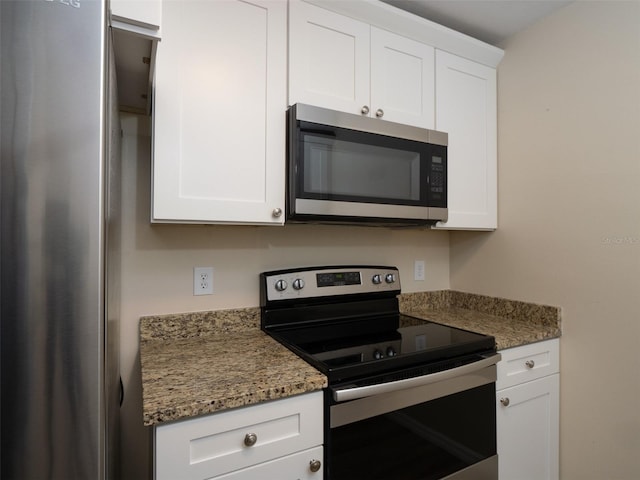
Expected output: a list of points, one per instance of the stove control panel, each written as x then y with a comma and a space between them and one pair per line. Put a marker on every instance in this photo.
313, 282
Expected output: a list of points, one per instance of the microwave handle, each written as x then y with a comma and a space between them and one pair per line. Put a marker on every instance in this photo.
351, 393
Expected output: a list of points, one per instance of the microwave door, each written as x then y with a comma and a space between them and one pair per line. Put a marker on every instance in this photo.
346, 175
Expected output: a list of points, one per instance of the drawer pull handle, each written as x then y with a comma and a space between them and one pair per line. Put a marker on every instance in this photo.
314, 465
530, 363
505, 401
364, 110
379, 113
250, 439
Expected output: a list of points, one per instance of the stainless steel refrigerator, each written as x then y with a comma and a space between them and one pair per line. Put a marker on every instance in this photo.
59, 260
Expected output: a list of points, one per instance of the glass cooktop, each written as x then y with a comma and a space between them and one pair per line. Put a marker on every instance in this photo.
377, 344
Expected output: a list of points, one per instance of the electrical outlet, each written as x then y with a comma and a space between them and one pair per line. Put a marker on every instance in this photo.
203, 280
418, 270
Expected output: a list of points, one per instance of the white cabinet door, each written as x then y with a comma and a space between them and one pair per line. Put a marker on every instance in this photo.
292, 467
328, 59
146, 13
343, 64
402, 79
219, 113
528, 430
466, 108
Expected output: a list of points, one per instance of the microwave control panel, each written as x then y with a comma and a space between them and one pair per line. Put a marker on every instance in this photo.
437, 178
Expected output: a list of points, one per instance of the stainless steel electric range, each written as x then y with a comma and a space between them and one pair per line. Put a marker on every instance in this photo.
407, 399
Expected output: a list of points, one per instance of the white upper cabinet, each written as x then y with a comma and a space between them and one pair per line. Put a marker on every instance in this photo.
344, 64
402, 79
466, 109
370, 57
138, 16
219, 112
328, 59
220, 98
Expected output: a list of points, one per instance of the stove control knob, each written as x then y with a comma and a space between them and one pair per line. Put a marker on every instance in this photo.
298, 284
391, 352
376, 279
377, 354
281, 285
390, 278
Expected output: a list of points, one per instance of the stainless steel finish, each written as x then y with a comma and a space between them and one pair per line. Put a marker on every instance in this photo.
486, 469
275, 281
436, 213
371, 406
314, 465
364, 110
530, 363
379, 113
366, 124
250, 439
352, 209
390, 278
376, 279
346, 393
277, 212
298, 284
505, 401
438, 138
59, 296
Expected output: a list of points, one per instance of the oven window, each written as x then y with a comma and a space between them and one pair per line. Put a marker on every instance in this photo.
427, 441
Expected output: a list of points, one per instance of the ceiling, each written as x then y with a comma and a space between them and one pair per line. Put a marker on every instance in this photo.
491, 21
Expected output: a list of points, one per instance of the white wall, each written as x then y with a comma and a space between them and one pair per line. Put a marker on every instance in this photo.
569, 219
158, 261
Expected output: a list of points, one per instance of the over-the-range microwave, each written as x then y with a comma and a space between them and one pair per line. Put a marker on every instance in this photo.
344, 168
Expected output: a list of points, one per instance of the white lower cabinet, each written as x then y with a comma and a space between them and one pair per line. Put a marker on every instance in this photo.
276, 439
299, 466
527, 412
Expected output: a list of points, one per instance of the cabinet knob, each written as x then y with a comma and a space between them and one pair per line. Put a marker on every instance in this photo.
530, 363
505, 401
379, 113
250, 439
277, 212
364, 110
314, 465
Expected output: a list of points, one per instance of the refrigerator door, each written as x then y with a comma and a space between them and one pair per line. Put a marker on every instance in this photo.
53, 174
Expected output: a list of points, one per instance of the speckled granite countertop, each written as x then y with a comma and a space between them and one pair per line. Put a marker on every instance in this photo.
199, 363
511, 322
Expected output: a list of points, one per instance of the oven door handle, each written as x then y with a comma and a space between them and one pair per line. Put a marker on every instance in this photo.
344, 394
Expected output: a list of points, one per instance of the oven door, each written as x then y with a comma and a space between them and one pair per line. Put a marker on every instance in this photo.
427, 429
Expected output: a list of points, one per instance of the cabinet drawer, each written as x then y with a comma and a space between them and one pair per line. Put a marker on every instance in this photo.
291, 467
529, 362
216, 444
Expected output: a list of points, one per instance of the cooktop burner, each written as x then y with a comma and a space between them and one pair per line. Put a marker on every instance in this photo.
346, 322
